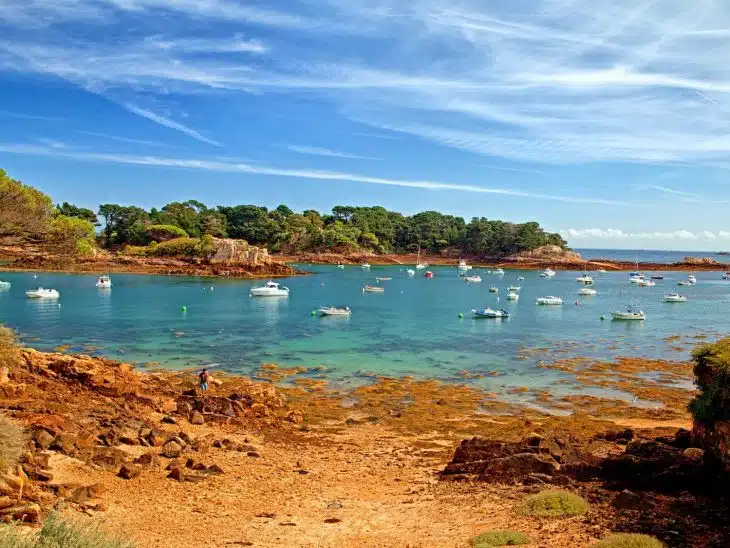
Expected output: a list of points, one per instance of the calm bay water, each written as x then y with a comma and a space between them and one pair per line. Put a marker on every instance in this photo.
649, 255
411, 329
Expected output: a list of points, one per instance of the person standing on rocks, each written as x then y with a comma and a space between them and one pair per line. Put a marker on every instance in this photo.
203, 377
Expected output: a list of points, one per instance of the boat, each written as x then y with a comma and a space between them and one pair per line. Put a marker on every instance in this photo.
585, 279
514, 288
498, 272
550, 300
684, 282
547, 273
411, 272
632, 313
373, 289
490, 313
521, 279
636, 275
601, 270
41, 293
334, 311
645, 283
341, 266
365, 266
473, 279
104, 282
726, 276
383, 279
271, 289
691, 279
419, 264
4, 285
674, 298
493, 289
463, 267
587, 291
657, 277
428, 275
513, 296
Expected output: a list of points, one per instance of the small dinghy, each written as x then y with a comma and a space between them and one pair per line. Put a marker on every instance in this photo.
41, 293
334, 311
521, 279
493, 289
657, 277
490, 313
373, 289
341, 266
428, 275
104, 282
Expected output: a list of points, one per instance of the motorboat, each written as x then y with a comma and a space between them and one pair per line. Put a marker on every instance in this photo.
271, 289
521, 279
428, 275
419, 264
411, 272
632, 313
547, 273
493, 289
585, 279
587, 291
514, 288
601, 270
473, 279
334, 311
513, 296
490, 313
726, 276
684, 282
657, 277
383, 279
550, 300
341, 266
691, 279
104, 282
635, 277
646, 283
674, 298
365, 266
41, 293
4, 285
498, 272
463, 267
373, 289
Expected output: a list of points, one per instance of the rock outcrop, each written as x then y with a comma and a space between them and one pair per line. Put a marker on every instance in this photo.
238, 252
699, 261
547, 254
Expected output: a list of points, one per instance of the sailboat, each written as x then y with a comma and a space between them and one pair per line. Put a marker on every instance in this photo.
419, 265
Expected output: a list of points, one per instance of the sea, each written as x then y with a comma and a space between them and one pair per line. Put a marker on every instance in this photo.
649, 255
420, 328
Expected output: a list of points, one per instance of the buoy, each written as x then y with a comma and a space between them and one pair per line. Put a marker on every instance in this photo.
461, 314
603, 317
184, 308
314, 312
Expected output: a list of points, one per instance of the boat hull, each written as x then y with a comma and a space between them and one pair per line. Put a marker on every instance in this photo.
265, 292
627, 316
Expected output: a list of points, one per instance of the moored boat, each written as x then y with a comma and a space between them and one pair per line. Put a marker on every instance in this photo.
632, 313
419, 264
514, 288
4, 285
410, 272
463, 267
341, 266
498, 272
513, 296
490, 313
334, 311
550, 300
271, 289
104, 282
587, 291
547, 273
473, 279
691, 279
493, 289
365, 266
674, 298
428, 275
521, 279
585, 279
41, 293
383, 279
373, 289
646, 283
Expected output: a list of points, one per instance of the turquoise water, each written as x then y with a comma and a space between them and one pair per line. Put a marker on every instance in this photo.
411, 329
649, 255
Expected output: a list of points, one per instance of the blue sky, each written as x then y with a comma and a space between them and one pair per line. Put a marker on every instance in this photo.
605, 119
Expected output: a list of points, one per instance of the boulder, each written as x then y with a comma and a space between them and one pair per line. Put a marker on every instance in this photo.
627, 500
177, 473
197, 418
518, 466
43, 439
156, 438
171, 450
693, 455
129, 471
148, 460
6, 502
110, 458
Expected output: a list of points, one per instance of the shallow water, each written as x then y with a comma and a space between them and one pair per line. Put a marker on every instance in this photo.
412, 329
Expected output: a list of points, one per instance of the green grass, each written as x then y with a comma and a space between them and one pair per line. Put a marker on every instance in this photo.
59, 533
626, 540
12, 442
554, 504
491, 539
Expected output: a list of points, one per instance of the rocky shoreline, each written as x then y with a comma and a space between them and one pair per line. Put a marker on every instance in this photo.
255, 464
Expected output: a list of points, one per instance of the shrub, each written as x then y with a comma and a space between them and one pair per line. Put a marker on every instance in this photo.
179, 247
554, 504
625, 540
12, 442
712, 377
71, 229
59, 533
206, 247
9, 349
136, 250
499, 538
85, 248
164, 233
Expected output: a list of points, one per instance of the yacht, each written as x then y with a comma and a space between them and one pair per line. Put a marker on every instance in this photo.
632, 313
104, 282
635, 277
334, 311
498, 272
473, 279
549, 300
585, 279
726, 276
587, 291
341, 266
514, 288
547, 273
674, 298
383, 279
513, 296
463, 267
490, 313
41, 293
521, 279
601, 270
691, 279
271, 289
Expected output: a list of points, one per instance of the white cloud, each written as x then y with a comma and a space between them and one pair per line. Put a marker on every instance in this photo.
161, 120
321, 151
617, 234
239, 167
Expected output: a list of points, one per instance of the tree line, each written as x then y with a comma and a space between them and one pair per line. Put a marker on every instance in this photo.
26, 211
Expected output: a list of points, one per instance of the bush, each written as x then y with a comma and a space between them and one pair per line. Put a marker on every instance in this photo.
499, 538
712, 377
9, 349
164, 233
179, 247
85, 248
554, 504
136, 250
59, 533
625, 540
12, 442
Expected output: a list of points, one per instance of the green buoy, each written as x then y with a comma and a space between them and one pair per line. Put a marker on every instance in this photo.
184, 308
461, 314
603, 317
314, 312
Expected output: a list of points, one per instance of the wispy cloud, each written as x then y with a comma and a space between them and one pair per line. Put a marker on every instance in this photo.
321, 151
122, 139
666, 190
311, 174
161, 120
26, 116
615, 234
237, 44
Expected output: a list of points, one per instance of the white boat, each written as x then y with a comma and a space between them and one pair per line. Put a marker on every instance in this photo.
463, 267
632, 313
341, 266
473, 279
513, 296
674, 298
691, 279
4, 285
411, 272
365, 266
334, 311
550, 300
514, 288
419, 264
636, 276
547, 273
271, 289
646, 283
585, 279
493, 289
104, 282
587, 291
41, 293
373, 289
383, 279
601, 270
521, 279
490, 313
726, 276
498, 272
684, 282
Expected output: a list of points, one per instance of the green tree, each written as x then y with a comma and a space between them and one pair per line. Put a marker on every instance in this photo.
68, 231
163, 233
119, 222
70, 210
250, 223
24, 211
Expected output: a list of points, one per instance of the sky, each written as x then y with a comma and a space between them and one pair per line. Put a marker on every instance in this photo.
605, 120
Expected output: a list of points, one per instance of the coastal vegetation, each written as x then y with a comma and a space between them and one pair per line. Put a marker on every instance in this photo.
712, 377
553, 504
491, 539
629, 540
26, 212
59, 533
